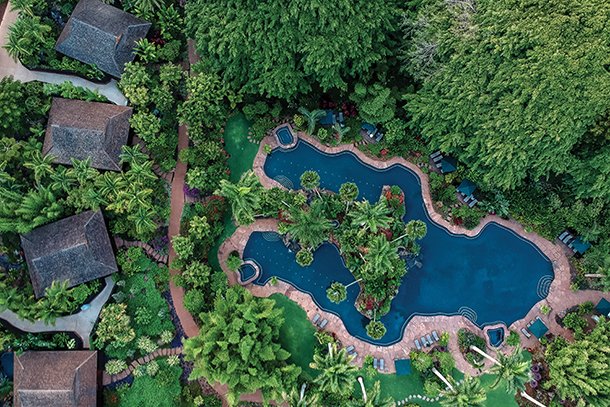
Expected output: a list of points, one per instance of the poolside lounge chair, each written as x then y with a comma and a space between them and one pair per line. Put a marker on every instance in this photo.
355, 354
417, 344
570, 245
315, 319
473, 203
538, 318
435, 336
323, 324
527, 334
564, 234
468, 198
567, 239
375, 363
437, 159
424, 342
351, 348
433, 155
429, 339
340, 117
381, 365
439, 165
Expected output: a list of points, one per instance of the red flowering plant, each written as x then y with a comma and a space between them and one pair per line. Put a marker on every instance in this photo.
457, 221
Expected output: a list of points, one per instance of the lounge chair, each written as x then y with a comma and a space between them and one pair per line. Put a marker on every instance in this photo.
527, 334
315, 319
468, 198
570, 245
574, 249
567, 239
381, 364
538, 318
437, 159
439, 165
429, 339
351, 348
355, 354
424, 342
435, 336
473, 203
375, 363
341, 117
564, 234
323, 324
433, 155
417, 344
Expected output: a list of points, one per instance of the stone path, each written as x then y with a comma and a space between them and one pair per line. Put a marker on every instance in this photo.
107, 379
81, 323
560, 295
150, 252
9, 67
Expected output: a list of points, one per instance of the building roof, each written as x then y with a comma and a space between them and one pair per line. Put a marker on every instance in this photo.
101, 34
75, 248
78, 129
55, 379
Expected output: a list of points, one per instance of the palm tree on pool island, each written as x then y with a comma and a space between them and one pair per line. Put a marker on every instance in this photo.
469, 393
309, 226
369, 216
338, 375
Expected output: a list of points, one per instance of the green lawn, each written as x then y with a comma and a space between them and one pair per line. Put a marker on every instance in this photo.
297, 337
242, 152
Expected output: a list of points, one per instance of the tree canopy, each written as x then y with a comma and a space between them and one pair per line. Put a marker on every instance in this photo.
519, 89
279, 48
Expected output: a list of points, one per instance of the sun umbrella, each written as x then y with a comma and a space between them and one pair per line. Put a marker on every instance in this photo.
467, 187
448, 164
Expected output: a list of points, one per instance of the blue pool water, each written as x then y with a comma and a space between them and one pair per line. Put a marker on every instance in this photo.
495, 277
496, 336
285, 136
246, 272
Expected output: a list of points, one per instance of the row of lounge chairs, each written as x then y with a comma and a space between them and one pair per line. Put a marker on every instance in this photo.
525, 332
472, 199
351, 351
322, 324
427, 340
568, 239
380, 365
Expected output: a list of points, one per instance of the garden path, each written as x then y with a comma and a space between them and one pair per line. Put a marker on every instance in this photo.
9, 67
560, 295
81, 323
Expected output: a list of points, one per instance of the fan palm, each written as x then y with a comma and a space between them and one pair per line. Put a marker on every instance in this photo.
415, 229
380, 255
469, 393
312, 118
512, 371
41, 165
372, 398
143, 220
370, 216
337, 375
310, 227
311, 180
133, 154
243, 197
348, 192
296, 399
82, 171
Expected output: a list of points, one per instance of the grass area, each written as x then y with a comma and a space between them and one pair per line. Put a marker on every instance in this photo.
241, 149
296, 335
242, 153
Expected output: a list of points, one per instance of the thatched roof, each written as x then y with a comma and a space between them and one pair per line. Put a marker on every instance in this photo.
55, 379
80, 130
75, 248
101, 34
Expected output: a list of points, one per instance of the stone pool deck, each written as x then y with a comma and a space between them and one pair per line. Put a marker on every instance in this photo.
560, 295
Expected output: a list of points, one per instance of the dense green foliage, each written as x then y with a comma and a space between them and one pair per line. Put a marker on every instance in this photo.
238, 345
290, 45
162, 389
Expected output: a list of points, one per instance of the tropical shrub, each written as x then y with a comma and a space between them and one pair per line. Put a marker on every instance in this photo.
115, 366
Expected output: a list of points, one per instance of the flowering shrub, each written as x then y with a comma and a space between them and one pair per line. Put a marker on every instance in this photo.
146, 345
167, 336
160, 244
188, 191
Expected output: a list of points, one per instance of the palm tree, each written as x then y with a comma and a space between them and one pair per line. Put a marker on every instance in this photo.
110, 184
82, 171
415, 229
61, 179
132, 154
243, 196
340, 130
296, 399
337, 375
312, 118
469, 393
310, 227
380, 255
370, 216
41, 166
141, 172
143, 220
372, 398
336, 292
511, 370
311, 180
348, 192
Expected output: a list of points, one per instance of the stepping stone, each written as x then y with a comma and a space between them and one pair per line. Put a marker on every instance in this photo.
106, 379
141, 361
122, 375
134, 364
147, 358
113, 379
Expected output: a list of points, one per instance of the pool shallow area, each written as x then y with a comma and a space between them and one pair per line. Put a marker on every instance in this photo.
284, 135
246, 272
496, 336
492, 278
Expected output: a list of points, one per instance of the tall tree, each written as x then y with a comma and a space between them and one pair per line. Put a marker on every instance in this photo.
309, 226
371, 398
280, 48
370, 216
526, 114
238, 344
300, 399
243, 197
348, 192
469, 393
512, 371
338, 375
310, 180
379, 258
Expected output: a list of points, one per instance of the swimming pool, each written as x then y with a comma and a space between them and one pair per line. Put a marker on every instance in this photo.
246, 272
496, 336
495, 277
284, 135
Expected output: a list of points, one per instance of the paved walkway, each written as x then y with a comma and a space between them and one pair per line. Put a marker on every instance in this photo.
107, 379
9, 67
81, 323
560, 295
